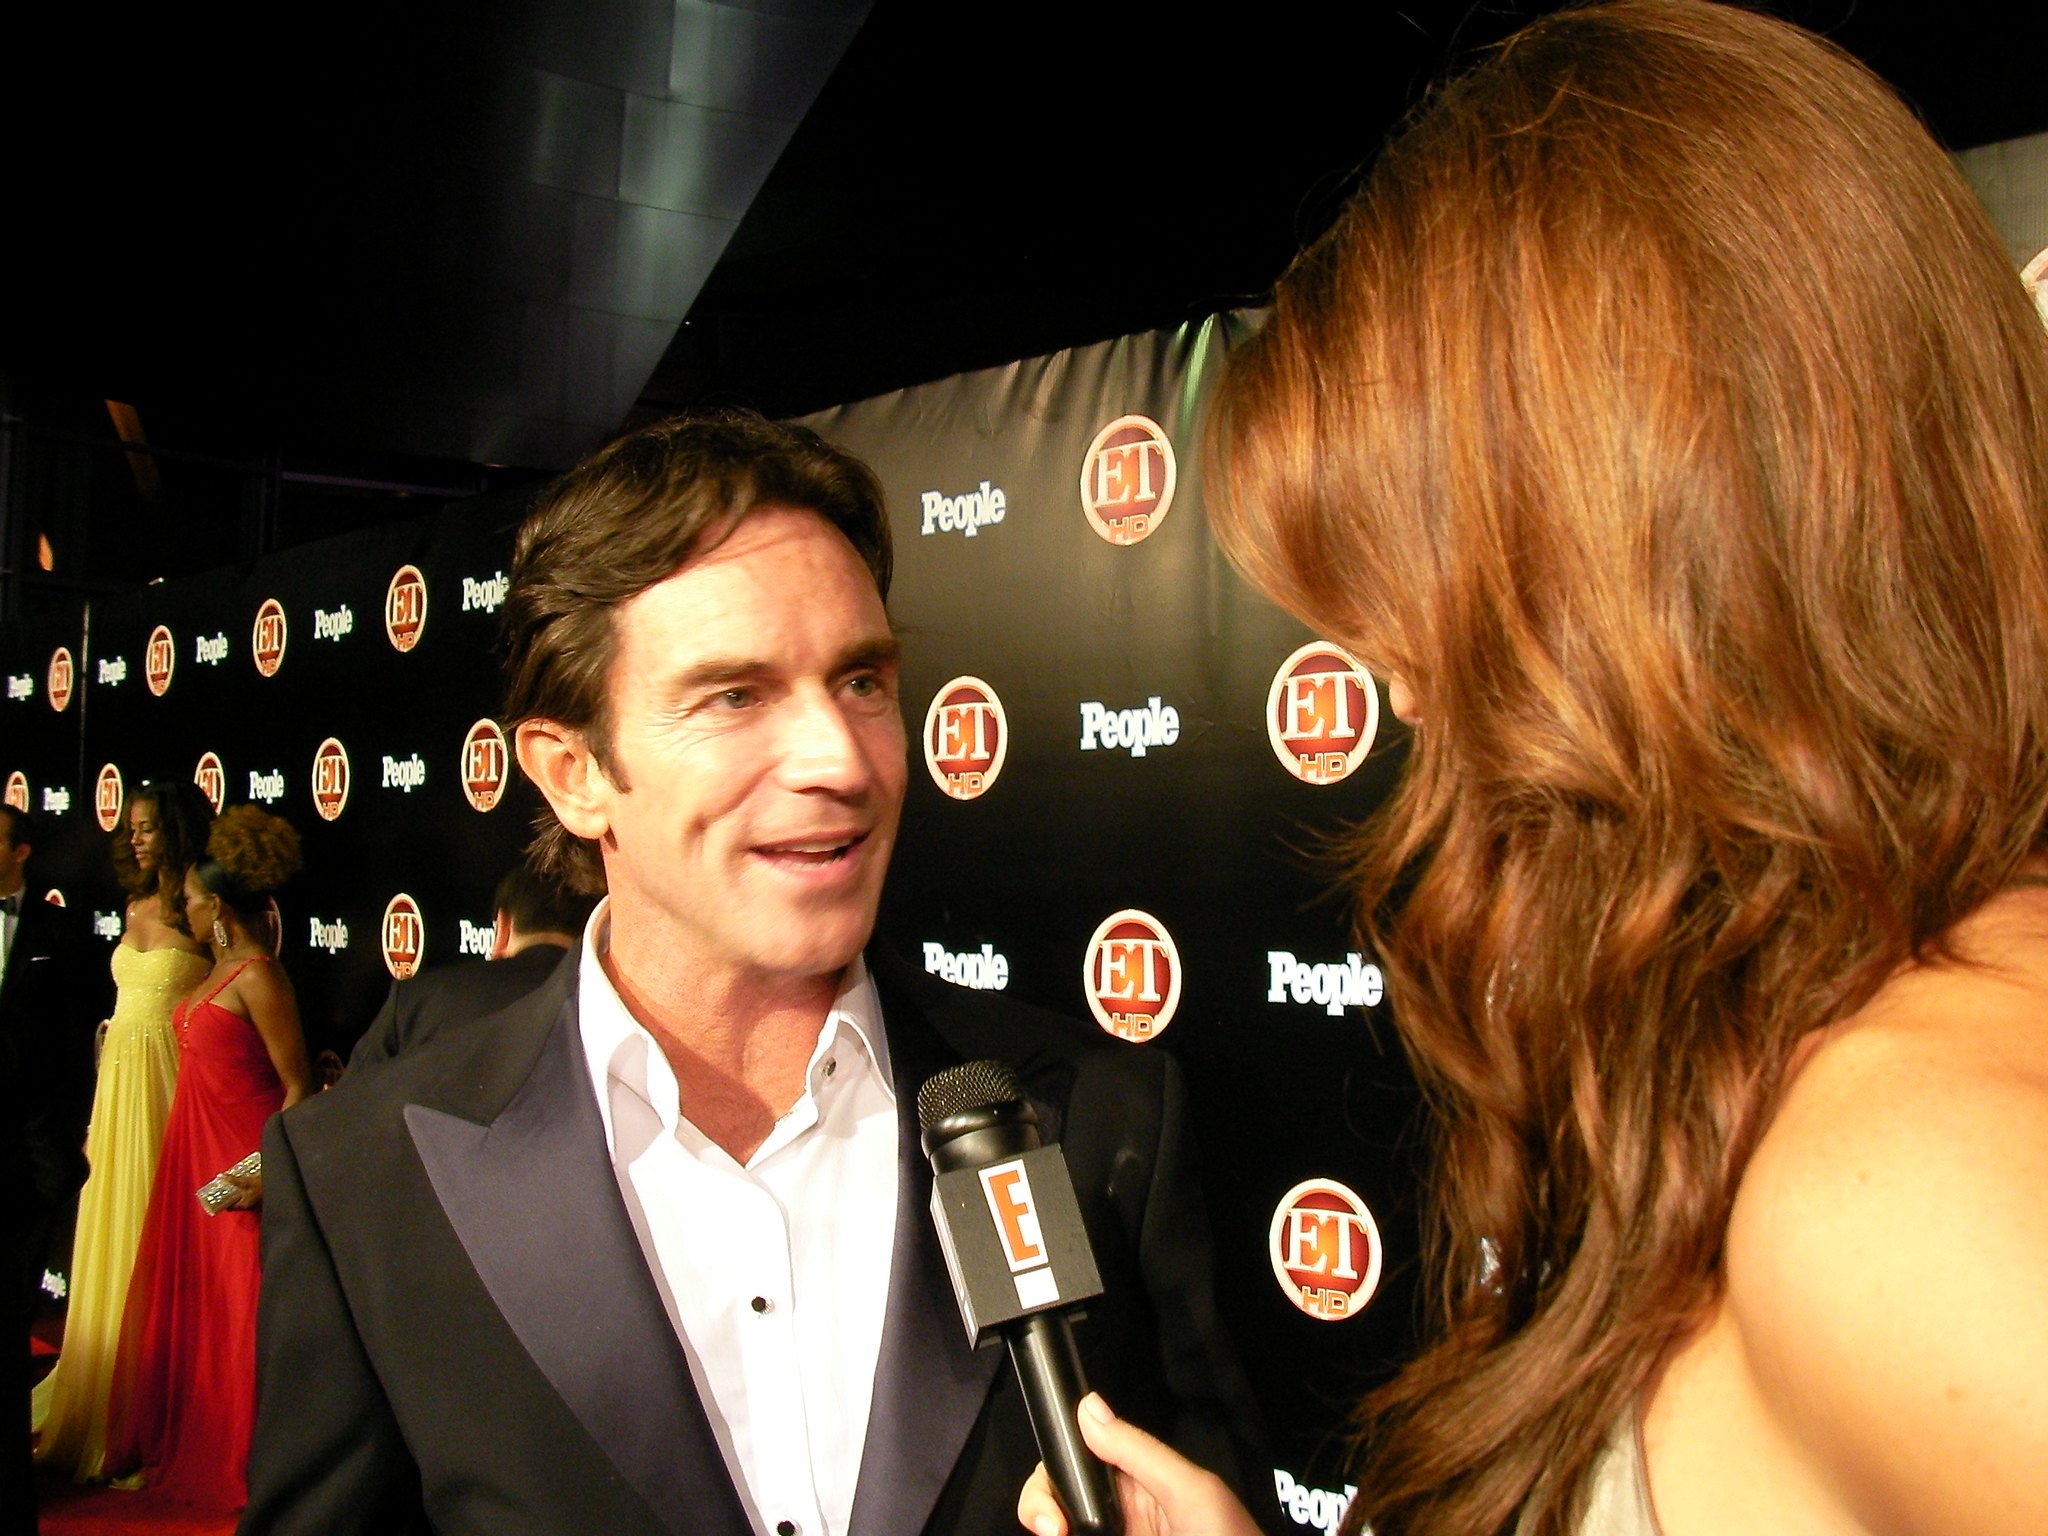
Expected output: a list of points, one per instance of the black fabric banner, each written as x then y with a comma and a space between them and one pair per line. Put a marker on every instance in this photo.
1126, 770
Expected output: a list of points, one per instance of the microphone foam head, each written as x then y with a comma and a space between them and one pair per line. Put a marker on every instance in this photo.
971, 1085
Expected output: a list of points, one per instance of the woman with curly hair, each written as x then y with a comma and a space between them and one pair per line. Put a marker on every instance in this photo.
1665, 415
162, 832
185, 1381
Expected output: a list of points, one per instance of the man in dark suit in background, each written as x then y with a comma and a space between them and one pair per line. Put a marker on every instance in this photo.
537, 922
53, 991
653, 1252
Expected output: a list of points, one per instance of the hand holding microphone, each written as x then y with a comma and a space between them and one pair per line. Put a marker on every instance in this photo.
1162, 1492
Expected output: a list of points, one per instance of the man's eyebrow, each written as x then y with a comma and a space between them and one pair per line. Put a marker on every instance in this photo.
880, 651
877, 651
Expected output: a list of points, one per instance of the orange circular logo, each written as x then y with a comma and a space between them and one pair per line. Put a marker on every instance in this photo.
405, 607
158, 658
1132, 975
966, 738
330, 779
404, 934
1127, 480
55, 897
212, 780
107, 795
267, 637
17, 791
62, 674
485, 763
1322, 713
1325, 1249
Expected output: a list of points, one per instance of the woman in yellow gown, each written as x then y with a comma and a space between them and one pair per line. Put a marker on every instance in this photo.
156, 963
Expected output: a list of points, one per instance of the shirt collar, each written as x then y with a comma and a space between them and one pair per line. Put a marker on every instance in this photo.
615, 1044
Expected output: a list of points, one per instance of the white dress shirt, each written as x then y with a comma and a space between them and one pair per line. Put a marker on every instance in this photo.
775, 1274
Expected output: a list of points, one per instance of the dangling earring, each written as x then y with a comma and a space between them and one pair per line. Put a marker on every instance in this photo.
220, 934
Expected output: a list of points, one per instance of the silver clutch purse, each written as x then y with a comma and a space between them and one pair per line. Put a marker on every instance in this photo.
219, 1192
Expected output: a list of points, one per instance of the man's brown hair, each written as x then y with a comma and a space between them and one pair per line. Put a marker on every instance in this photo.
625, 520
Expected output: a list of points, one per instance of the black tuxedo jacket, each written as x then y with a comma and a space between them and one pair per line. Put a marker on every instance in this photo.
456, 993
56, 989
459, 1332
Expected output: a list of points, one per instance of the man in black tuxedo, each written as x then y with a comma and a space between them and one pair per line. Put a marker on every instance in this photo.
535, 923
648, 1250
53, 990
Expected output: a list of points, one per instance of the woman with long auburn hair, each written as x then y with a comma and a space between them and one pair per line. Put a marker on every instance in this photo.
1664, 419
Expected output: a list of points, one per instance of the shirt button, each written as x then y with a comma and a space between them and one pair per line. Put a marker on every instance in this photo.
762, 1304
831, 1065
785, 1528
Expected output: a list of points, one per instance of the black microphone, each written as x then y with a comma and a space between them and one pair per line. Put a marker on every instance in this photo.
1018, 1253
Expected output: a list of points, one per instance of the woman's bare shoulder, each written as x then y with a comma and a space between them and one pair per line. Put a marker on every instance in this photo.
1887, 1259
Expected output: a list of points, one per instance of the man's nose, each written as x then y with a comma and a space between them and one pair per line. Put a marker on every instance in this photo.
819, 747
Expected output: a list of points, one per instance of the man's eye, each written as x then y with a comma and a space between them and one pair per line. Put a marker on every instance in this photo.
864, 685
736, 698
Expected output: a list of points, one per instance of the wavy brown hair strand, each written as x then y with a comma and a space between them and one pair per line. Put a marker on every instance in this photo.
1665, 411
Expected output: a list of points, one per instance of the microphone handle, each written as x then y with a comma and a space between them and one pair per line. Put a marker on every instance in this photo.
1048, 1367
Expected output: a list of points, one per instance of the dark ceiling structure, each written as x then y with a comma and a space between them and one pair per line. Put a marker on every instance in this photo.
325, 269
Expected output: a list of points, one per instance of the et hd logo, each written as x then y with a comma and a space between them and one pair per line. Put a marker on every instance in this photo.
159, 658
1132, 976
330, 779
404, 936
486, 760
108, 794
1325, 1248
267, 637
1322, 713
63, 674
966, 738
212, 780
1127, 480
17, 791
405, 608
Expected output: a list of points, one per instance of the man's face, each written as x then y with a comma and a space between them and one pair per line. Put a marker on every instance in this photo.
13, 856
754, 717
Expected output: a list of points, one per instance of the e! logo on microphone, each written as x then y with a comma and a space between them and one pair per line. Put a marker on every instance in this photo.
1325, 1249
1322, 713
966, 738
1007, 1188
1132, 975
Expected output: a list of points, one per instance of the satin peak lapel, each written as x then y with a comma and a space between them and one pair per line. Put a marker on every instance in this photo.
536, 1206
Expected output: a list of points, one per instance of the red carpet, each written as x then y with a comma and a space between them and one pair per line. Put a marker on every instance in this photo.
74, 1509
70, 1509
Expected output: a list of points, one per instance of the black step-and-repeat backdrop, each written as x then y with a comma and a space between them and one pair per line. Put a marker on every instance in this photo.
1131, 768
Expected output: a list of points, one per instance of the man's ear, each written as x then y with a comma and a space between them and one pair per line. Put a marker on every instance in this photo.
559, 761
501, 934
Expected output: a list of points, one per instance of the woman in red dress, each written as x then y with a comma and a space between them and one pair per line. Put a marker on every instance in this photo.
186, 1375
